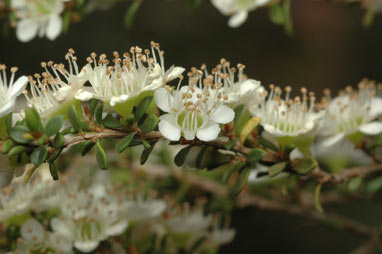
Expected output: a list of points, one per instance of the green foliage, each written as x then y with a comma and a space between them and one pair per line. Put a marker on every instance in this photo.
21, 134
102, 160
74, 119
146, 153
277, 168
87, 146
150, 123
304, 166
39, 156
53, 171
267, 144
181, 156
131, 13
124, 143
7, 146
142, 107
112, 123
33, 119
54, 125
255, 155
59, 141
354, 183
374, 185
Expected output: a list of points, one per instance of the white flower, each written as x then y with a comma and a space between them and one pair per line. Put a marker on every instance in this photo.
36, 240
18, 198
193, 110
10, 90
144, 209
122, 85
340, 155
235, 90
238, 9
288, 121
220, 236
189, 221
89, 217
56, 88
352, 114
38, 17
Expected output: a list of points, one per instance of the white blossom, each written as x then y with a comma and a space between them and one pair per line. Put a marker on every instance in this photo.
234, 86
237, 9
38, 17
352, 114
129, 79
55, 89
144, 209
90, 216
34, 239
193, 110
10, 90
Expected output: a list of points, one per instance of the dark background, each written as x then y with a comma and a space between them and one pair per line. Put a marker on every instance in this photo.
329, 48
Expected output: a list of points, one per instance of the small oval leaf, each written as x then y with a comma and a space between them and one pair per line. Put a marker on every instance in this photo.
142, 107
54, 125
74, 118
39, 155
181, 156
125, 142
102, 160
33, 119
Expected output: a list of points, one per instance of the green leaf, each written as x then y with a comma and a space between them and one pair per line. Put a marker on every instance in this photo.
33, 119
7, 146
54, 125
229, 171
29, 173
277, 168
59, 141
150, 123
102, 160
198, 243
304, 166
53, 171
241, 182
41, 140
74, 119
124, 143
289, 148
146, 153
288, 24
248, 128
98, 113
317, 203
267, 144
21, 134
87, 146
181, 156
8, 121
354, 183
276, 14
255, 155
93, 106
66, 22
39, 155
142, 107
131, 13
230, 144
145, 144
374, 185
110, 122
55, 154
17, 150
199, 158
128, 120
238, 110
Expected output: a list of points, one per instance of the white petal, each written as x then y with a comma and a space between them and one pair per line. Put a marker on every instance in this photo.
156, 72
54, 27
375, 108
189, 134
223, 114
5, 109
163, 99
26, 29
118, 228
19, 86
83, 95
169, 130
62, 93
118, 99
248, 86
86, 247
60, 227
372, 128
295, 154
238, 19
174, 73
60, 243
6, 177
32, 230
333, 140
208, 133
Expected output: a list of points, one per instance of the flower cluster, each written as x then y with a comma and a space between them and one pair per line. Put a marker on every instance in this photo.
88, 214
